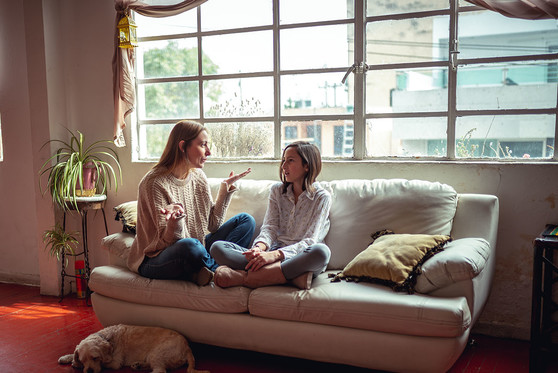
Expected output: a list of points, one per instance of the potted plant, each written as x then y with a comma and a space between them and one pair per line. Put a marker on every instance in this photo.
59, 242
79, 170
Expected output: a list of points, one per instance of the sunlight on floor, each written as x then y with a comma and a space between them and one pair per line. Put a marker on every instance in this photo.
30, 311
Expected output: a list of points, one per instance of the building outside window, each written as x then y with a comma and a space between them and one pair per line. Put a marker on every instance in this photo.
262, 79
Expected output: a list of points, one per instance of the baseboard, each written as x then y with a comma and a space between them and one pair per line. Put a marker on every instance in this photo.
20, 278
502, 331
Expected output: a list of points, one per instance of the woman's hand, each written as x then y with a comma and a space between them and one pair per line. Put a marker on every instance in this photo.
173, 211
262, 258
234, 178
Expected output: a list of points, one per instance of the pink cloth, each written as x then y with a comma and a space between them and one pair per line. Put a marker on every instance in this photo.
526, 9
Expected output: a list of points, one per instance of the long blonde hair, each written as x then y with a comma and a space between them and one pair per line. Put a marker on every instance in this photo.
311, 158
172, 156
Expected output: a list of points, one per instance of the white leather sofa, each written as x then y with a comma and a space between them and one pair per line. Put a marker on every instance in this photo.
356, 323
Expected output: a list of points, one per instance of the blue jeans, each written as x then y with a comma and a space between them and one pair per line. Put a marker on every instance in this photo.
313, 259
187, 256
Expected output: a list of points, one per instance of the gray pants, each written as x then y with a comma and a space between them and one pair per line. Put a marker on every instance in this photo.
312, 259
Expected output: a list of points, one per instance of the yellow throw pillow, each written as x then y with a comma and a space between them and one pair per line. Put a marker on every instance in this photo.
393, 259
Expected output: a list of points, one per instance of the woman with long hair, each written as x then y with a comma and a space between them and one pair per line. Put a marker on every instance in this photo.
177, 218
290, 245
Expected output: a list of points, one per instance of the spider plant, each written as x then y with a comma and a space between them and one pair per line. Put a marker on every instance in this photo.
60, 242
66, 175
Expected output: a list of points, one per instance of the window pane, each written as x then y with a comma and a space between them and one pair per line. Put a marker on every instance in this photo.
334, 138
378, 8
505, 136
412, 90
506, 86
316, 47
296, 11
315, 94
406, 137
152, 140
241, 140
239, 53
489, 34
169, 100
167, 58
408, 40
182, 23
241, 97
227, 14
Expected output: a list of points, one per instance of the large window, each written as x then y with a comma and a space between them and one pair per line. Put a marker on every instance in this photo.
362, 79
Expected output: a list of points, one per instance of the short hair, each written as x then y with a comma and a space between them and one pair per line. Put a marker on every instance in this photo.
311, 157
187, 130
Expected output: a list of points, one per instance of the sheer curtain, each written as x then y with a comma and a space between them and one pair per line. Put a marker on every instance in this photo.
526, 9
123, 60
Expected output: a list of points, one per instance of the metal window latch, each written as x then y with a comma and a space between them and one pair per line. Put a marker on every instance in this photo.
360, 68
453, 55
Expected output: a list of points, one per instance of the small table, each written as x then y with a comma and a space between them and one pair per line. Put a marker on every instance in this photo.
84, 204
543, 307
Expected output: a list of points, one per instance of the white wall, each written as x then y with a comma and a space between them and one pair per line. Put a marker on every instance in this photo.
69, 82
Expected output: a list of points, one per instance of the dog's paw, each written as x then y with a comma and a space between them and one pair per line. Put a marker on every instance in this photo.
66, 359
140, 366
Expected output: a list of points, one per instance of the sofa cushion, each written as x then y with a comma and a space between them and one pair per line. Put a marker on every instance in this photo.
404, 206
393, 259
121, 283
363, 306
461, 259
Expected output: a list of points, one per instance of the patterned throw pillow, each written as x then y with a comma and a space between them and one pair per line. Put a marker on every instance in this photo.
127, 213
393, 259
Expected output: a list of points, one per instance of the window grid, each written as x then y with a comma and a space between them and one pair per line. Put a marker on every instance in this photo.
359, 115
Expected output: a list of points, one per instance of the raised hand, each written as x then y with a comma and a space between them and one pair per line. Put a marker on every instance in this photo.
234, 178
173, 211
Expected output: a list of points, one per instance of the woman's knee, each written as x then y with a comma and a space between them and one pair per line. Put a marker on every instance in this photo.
246, 220
191, 249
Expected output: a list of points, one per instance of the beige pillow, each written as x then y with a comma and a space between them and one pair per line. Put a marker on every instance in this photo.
462, 259
393, 259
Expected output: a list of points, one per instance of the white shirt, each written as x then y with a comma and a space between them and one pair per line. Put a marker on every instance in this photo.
292, 227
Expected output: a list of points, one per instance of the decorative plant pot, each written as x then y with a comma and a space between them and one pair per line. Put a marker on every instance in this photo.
89, 180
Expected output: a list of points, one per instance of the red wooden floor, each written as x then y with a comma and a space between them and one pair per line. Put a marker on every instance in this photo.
35, 330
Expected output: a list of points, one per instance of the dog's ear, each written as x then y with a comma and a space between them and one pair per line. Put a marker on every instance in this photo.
105, 348
76, 362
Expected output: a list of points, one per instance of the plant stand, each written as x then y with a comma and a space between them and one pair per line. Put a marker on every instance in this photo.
84, 204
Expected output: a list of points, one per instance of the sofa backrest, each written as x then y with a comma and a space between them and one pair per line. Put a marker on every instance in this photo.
361, 208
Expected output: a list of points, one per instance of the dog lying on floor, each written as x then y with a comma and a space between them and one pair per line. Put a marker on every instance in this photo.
139, 347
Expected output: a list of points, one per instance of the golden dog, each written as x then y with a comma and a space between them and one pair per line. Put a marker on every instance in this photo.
139, 347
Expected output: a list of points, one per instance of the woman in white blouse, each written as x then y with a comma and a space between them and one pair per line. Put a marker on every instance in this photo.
290, 245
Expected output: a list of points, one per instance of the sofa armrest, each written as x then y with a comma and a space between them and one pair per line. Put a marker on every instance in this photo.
118, 246
476, 216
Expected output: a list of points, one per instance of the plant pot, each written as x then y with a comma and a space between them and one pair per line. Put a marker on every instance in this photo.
89, 180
